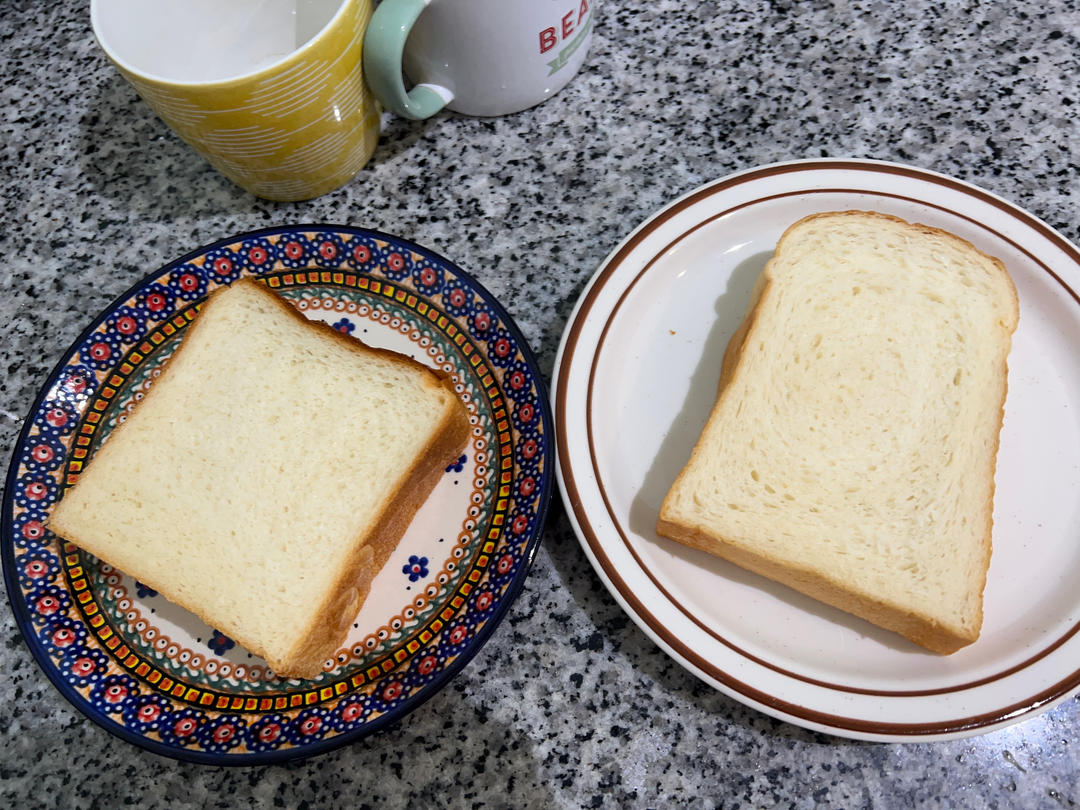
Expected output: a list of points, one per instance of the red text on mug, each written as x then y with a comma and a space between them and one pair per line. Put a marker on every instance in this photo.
568, 23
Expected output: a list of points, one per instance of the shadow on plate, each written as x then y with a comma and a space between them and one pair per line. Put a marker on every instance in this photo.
675, 450
602, 611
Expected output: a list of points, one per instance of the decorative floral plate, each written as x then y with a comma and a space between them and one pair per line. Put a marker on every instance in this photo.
156, 675
668, 300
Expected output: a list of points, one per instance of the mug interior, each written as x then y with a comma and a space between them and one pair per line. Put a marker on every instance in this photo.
206, 41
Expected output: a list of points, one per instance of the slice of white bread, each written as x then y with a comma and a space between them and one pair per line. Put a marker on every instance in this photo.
850, 454
267, 475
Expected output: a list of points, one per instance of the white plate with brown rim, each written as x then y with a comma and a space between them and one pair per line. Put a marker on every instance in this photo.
636, 377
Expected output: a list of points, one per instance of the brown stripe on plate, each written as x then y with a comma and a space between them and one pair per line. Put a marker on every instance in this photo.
835, 721
622, 533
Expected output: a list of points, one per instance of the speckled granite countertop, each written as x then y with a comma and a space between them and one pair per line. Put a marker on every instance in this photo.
569, 704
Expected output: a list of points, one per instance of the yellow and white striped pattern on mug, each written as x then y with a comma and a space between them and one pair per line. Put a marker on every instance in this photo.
293, 131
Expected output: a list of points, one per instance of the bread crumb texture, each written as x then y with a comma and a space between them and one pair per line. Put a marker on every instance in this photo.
246, 479
856, 436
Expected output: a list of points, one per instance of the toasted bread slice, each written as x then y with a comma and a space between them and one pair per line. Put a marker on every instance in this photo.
267, 475
851, 451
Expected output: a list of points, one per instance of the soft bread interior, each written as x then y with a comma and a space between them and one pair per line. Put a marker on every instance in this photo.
247, 482
851, 451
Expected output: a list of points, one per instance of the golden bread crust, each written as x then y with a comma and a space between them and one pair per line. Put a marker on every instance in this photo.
816, 584
330, 624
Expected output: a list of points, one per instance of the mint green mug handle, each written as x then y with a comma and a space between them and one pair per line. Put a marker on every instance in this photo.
384, 46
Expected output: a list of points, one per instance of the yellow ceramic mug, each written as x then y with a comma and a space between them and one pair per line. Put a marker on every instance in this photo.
271, 92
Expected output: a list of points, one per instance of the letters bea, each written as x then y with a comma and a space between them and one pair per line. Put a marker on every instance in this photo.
568, 23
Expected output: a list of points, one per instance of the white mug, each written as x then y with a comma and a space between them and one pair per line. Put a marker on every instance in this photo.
477, 57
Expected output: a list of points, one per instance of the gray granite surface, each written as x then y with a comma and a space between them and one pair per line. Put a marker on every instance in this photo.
569, 704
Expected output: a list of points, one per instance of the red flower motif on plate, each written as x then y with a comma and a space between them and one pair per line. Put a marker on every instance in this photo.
36, 490
188, 282
63, 637
269, 732
223, 733
127, 325
458, 634
100, 351
36, 569
76, 383
33, 530
223, 266
57, 417
185, 727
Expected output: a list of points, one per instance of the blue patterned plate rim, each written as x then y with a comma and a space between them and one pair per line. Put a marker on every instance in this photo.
433, 686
